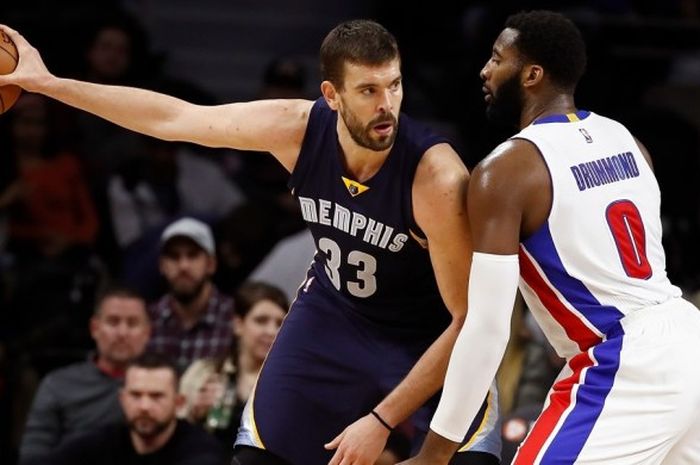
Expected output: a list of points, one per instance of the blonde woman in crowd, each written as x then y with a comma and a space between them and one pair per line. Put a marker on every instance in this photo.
217, 389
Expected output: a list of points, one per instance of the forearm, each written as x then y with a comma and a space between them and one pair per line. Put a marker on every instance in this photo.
475, 360
422, 382
481, 343
136, 109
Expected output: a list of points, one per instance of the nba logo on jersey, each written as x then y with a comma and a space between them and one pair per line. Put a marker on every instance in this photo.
588, 137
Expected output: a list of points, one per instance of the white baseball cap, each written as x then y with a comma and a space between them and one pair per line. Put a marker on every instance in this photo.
192, 229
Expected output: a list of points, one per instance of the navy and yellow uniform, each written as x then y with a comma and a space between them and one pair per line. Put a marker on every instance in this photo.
369, 308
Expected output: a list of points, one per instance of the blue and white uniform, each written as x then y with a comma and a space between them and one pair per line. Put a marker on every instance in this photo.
594, 278
369, 308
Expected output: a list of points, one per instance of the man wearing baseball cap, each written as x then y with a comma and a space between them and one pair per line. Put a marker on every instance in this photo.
193, 320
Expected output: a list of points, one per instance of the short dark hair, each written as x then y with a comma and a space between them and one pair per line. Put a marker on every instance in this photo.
252, 292
155, 361
552, 41
358, 41
116, 290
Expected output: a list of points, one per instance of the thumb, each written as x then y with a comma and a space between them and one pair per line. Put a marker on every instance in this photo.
335, 442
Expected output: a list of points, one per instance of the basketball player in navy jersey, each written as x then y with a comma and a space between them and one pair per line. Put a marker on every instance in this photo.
571, 205
366, 343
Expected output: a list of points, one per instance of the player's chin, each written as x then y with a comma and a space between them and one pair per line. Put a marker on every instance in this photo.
383, 141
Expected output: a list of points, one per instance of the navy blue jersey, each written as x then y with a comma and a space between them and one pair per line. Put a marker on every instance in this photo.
368, 256
368, 310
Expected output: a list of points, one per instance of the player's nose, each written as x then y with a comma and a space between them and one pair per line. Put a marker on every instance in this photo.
483, 74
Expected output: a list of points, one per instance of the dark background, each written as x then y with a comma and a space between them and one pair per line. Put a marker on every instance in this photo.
644, 70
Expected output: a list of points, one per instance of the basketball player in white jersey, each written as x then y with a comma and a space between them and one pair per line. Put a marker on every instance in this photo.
571, 206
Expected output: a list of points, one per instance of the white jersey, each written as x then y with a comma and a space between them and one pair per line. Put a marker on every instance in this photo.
599, 255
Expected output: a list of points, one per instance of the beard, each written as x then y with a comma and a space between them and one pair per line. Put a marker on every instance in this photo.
361, 134
147, 427
506, 105
187, 293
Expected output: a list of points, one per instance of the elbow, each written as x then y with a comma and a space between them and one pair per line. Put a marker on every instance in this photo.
458, 321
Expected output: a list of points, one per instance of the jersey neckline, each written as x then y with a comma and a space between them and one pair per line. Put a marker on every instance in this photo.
563, 117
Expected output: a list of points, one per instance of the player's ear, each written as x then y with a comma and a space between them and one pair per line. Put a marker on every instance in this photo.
532, 75
330, 93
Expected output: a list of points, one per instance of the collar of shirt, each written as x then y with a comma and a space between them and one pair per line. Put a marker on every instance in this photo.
164, 309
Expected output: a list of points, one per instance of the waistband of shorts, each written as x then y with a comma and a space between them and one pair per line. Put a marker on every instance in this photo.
641, 314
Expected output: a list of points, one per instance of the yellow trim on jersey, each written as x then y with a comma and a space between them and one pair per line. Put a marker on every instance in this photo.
572, 117
354, 187
482, 425
251, 418
251, 400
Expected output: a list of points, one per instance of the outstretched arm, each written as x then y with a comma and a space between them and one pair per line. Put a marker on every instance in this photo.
439, 200
275, 126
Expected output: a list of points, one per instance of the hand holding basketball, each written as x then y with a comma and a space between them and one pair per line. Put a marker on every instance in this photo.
17, 54
8, 62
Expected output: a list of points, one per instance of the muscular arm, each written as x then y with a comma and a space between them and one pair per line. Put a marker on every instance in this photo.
275, 126
439, 205
440, 209
508, 197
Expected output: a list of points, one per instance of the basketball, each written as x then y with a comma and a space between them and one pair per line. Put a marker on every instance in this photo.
8, 62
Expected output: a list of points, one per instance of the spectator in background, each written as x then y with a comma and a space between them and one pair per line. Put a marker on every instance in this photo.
262, 178
50, 207
150, 190
244, 238
52, 221
152, 434
270, 213
77, 398
114, 55
216, 390
192, 321
287, 263
116, 52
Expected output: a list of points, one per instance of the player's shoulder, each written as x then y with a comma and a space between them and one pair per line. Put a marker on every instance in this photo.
270, 107
319, 117
512, 155
441, 166
300, 109
512, 168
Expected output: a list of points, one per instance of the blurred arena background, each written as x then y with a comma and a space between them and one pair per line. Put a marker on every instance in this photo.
644, 70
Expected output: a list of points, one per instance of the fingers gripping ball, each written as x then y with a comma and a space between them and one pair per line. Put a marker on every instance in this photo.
8, 63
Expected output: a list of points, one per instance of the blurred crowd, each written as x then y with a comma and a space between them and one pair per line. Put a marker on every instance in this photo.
115, 247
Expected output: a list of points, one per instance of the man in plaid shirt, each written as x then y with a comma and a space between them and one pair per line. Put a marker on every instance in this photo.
193, 320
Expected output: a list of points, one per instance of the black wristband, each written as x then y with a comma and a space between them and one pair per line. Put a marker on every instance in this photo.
381, 420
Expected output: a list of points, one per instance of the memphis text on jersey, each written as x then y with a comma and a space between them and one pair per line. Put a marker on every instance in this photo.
351, 222
605, 171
